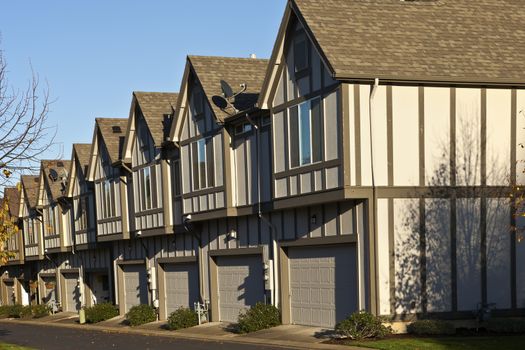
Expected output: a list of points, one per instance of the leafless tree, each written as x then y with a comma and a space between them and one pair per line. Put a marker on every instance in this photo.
25, 134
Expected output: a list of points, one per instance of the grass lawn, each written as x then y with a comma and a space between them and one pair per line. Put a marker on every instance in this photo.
5, 346
439, 343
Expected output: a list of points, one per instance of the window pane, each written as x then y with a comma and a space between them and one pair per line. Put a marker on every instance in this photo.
195, 166
304, 133
147, 185
300, 52
317, 130
202, 162
294, 137
209, 156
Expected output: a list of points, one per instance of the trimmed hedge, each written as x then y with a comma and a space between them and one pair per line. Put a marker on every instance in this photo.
100, 312
182, 318
141, 314
362, 325
260, 316
21, 311
25, 312
431, 327
15, 311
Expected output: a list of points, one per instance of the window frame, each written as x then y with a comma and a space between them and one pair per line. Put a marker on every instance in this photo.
299, 162
202, 153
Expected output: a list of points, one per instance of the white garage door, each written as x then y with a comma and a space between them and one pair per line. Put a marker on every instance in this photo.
323, 284
135, 285
182, 286
72, 297
241, 284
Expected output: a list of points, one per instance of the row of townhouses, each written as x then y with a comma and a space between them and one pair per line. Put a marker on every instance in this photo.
367, 165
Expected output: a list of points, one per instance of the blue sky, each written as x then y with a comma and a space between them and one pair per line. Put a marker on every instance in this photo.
94, 53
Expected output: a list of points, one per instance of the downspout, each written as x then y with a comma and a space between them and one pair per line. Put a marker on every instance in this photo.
374, 190
188, 227
272, 254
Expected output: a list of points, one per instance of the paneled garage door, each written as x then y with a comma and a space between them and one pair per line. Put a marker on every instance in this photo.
182, 285
135, 285
241, 284
10, 290
323, 284
72, 297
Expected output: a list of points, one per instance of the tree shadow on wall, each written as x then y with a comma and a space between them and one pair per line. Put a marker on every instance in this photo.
438, 264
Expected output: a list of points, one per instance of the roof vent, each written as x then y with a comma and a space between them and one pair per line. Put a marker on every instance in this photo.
252, 55
116, 129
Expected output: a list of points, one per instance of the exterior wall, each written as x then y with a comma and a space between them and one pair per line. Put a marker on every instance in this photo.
442, 160
324, 169
150, 206
330, 222
198, 198
250, 146
111, 222
83, 214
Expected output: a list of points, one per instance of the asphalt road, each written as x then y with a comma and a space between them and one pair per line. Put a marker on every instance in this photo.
42, 337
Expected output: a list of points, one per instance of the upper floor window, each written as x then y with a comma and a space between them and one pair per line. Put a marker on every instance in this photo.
243, 128
81, 220
30, 229
145, 188
107, 199
51, 220
301, 54
198, 103
306, 133
202, 164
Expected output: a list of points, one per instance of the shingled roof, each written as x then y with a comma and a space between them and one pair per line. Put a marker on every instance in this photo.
441, 40
12, 195
60, 166
30, 187
113, 131
211, 70
154, 106
82, 151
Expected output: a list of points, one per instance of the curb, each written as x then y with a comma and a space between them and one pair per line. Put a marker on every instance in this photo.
174, 334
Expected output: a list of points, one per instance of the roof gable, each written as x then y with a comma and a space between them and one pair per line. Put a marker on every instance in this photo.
112, 131
30, 185
209, 71
460, 40
155, 106
12, 195
49, 169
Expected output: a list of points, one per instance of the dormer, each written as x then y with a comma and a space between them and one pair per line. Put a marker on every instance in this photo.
109, 175
81, 192
53, 182
204, 127
156, 207
31, 218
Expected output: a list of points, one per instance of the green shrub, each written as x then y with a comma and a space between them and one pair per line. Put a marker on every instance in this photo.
431, 327
260, 316
4, 311
362, 325
506, 325
182, 318
41, 310
25, 312
15, 311
100, 312
141, 314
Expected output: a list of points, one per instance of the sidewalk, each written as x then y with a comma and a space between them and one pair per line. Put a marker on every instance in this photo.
291, 336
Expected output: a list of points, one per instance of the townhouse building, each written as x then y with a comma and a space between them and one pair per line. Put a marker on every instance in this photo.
366, 165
